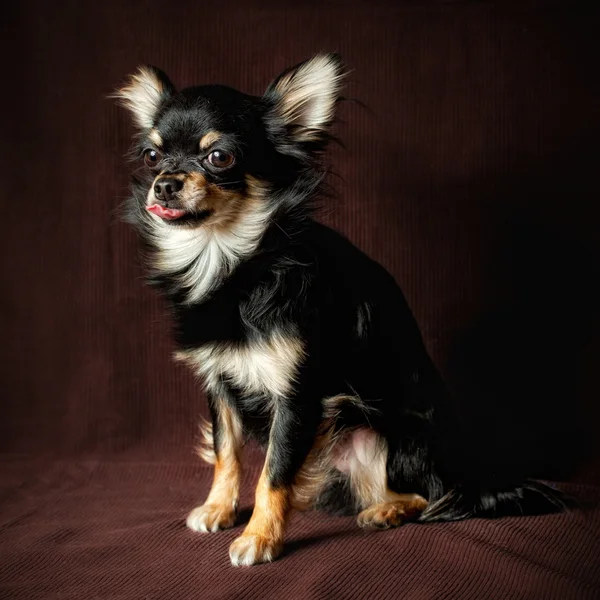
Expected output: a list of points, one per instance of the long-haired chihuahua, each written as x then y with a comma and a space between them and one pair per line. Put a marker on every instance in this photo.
303, 342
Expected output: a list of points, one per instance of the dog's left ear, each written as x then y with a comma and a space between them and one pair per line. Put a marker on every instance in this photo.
144, 93
303, 98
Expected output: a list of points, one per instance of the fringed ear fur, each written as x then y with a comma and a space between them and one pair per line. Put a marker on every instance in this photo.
303, 98
143, 95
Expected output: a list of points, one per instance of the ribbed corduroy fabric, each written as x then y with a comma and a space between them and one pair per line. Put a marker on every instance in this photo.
470, 173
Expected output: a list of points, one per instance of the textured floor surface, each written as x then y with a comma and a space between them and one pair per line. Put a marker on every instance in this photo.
116, 530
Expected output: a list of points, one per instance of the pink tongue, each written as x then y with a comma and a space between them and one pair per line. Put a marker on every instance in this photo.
166, 213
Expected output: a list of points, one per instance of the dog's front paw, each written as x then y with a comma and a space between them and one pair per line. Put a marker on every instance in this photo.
211, 517
250, 550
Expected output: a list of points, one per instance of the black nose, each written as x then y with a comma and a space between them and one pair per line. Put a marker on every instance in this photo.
166, 187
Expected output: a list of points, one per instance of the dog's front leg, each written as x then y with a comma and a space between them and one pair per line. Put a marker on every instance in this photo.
220, 508
293, 430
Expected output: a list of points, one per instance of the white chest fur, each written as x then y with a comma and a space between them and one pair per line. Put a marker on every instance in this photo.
198, 259
268, 366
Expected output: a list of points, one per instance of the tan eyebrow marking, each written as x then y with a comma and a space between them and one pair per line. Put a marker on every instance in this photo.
154, 137
209, 139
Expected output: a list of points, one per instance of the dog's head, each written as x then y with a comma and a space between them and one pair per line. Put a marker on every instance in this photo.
213, 154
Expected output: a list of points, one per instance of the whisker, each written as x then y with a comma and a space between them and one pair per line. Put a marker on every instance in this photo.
279, 226
226, 183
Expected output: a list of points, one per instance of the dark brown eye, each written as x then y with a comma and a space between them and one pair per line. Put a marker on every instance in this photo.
152, 158
220, 159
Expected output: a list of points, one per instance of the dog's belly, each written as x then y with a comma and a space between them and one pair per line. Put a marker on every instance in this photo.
360, 449
357, 460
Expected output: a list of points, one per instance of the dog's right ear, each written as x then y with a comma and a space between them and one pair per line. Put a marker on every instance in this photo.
144, 93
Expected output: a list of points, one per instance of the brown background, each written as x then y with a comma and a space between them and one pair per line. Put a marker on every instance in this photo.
471, 174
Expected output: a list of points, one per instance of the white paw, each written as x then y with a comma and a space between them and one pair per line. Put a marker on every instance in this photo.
248, 550
210, 518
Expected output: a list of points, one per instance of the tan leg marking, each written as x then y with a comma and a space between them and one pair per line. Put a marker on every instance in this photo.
220, 508
391, 513
315, 472
262, 540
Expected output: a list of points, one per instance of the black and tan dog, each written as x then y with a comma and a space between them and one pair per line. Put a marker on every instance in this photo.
304, 343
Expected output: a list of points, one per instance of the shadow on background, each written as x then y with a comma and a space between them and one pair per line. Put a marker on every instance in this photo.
518, 371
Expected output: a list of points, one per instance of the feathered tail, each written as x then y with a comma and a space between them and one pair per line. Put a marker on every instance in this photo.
529, 498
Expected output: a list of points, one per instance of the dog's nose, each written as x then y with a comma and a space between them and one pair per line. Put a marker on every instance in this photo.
166, 187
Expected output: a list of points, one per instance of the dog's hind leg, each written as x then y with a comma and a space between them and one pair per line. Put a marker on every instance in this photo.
364, 458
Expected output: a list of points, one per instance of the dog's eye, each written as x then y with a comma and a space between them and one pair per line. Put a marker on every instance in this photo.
220, 159
152, 158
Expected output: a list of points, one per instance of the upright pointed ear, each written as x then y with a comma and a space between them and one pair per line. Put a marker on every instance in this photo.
144, 93
303, 98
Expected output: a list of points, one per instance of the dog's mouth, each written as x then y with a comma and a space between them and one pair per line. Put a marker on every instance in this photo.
177, 215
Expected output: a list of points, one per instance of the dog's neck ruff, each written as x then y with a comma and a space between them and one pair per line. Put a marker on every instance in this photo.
197, 261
